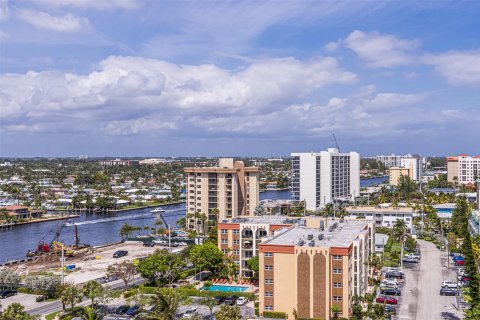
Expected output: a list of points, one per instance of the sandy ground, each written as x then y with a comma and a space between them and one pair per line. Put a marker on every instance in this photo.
87, 269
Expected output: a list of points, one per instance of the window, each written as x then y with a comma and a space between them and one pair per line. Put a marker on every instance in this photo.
269, 308
236, 241
268, 267
337, 271
237, 262
268, 281
224, 241
337, 284
225, 251
268, 294
337, 257
236, 231
337, 298
236, 251
268, 254
224, 231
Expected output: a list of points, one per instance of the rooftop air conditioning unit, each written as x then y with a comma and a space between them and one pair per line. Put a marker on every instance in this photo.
320, 236
311, 243
310, 237
301, 242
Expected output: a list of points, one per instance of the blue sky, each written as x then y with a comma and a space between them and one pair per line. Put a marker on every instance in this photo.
185, 78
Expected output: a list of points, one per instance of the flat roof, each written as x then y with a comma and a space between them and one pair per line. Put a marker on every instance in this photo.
265, 219
342, 236
379, 209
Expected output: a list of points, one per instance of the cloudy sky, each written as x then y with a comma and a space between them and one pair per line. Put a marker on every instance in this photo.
159, 78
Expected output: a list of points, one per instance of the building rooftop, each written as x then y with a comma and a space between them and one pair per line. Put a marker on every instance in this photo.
341, 236
270, 219
380, 209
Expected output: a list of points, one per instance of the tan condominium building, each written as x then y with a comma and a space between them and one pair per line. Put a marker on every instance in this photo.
241, 237
310, 270
218, 193
396, 172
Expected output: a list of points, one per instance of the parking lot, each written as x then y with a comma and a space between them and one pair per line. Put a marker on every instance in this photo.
27, 300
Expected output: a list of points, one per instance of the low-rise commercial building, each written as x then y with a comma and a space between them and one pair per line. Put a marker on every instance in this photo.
312, 269
383, 215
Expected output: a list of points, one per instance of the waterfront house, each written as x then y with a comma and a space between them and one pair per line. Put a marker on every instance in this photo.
22, 212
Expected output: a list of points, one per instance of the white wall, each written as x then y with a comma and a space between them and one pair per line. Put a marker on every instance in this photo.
307, 179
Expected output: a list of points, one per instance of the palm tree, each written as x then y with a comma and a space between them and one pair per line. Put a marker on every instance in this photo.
71, 295
165, 302
399, 233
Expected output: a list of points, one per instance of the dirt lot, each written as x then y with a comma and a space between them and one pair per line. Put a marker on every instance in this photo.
87, 269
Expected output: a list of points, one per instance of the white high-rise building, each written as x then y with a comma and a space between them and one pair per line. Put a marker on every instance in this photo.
463, 169
414, 164
319, 178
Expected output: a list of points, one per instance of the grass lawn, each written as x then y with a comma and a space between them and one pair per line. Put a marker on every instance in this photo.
52, 315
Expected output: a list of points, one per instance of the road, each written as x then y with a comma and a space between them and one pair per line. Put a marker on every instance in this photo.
420, 296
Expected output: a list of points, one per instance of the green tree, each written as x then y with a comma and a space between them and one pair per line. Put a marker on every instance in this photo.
210, 303
161, 267
90, 314
70, 296
92, 290
165, 303
126, 230
357, 310
207, 256
410, 244
125, 270
228, 313
335, 310
16, 311
254, 265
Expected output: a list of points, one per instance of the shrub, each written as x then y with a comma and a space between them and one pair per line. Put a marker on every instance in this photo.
275, 315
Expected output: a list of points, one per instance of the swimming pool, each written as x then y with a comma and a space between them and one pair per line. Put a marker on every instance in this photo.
223, 288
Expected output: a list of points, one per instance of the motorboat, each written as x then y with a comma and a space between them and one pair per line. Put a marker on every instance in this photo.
158, 210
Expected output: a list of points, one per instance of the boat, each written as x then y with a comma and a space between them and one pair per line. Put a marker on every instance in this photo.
158, 210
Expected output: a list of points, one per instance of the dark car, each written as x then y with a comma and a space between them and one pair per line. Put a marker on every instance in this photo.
219, 300
149, 244
392, 292
389, 309
446, 291
122, 309
120, 253
394, 274
230, 300
133, 310
7, 293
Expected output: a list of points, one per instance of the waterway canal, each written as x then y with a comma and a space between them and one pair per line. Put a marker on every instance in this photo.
97, 229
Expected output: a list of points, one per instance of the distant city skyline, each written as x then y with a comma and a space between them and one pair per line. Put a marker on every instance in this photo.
131, 78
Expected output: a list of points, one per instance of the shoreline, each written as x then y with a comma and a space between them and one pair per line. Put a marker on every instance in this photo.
40, 220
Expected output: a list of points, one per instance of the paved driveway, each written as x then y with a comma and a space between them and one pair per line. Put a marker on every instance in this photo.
421, 293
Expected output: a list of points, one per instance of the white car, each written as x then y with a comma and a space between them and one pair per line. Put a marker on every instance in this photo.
392, 269
189, 313
451, 284
241, 301
160, 242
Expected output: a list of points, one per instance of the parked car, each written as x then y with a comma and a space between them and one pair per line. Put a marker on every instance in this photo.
189, 313
230, 300
447, 291
392, 281
160, 242
219, 300
7, 293
395, 269
465, 278
386, 300
133, 310
413, 256
388, 309
241, 301
460, 262
149, 244
120, 253
391, 292
450, 284
122, 309
410, 260
394, 274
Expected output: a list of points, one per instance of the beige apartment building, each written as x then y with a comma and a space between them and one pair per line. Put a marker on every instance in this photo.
218, 193
396, 172
463, 169
310, 269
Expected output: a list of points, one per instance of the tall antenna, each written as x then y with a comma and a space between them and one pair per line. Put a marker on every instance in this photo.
336, 143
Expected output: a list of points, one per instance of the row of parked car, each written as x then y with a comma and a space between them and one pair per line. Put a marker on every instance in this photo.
454, 288
390, 291
7, 293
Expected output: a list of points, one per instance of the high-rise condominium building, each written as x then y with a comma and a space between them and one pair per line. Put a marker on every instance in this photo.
463, 169
412, 162
392, 160
310, 270
321, 178
217, 193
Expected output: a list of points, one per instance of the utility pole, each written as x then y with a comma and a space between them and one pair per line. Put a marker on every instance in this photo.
63, 264
169, 237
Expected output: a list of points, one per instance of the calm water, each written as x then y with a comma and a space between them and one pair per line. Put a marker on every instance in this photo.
100, 229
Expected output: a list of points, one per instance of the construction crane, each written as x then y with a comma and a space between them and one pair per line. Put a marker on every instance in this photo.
336, 143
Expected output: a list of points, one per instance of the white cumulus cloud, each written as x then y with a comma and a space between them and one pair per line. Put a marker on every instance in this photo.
381, 50
66, 23
458, 67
